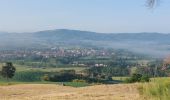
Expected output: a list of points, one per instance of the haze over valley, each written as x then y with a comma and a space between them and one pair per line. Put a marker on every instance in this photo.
154, 44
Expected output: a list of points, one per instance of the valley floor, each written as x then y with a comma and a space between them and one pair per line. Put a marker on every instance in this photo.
57, 92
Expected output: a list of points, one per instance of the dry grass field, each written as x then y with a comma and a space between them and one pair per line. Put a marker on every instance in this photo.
57, 92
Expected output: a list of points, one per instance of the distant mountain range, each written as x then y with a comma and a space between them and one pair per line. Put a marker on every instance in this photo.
150, 43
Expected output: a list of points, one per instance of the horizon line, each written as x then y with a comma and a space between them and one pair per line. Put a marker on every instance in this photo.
87, 31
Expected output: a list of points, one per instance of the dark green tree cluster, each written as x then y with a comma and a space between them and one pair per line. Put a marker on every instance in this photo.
107, 71
8, 71
63, 76
71, 75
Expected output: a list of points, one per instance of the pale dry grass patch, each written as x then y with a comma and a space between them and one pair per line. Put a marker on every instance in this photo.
57, 92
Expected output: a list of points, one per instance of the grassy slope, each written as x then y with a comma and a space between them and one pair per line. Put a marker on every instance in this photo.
157, 89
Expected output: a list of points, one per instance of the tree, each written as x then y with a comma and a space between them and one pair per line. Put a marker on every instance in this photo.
8, 71
151, 3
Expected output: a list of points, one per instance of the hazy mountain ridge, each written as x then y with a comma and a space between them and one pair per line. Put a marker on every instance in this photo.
62, 34
141, 42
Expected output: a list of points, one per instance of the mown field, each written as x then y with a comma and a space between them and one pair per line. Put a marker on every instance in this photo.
157, 89
58, 92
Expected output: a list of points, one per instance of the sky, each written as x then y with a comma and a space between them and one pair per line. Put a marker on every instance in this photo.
105, 16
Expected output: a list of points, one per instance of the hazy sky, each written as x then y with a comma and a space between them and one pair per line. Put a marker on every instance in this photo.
93, 15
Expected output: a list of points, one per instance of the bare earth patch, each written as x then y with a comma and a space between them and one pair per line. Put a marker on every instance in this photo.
57, 92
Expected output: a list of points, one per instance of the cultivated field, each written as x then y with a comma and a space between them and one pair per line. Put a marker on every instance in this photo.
58, 92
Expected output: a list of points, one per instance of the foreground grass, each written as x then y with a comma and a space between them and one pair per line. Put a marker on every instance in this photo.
157, 89
58, 92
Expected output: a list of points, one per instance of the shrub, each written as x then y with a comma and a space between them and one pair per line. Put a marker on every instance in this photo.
145, 78
137, 78
45, 77
61, 77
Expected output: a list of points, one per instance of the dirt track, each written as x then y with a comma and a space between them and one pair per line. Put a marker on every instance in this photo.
56, 92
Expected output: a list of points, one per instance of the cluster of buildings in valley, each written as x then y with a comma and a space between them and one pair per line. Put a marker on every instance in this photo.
89, 65
57, 52
85, 57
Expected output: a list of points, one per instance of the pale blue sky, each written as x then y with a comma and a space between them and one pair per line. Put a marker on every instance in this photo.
109, 16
